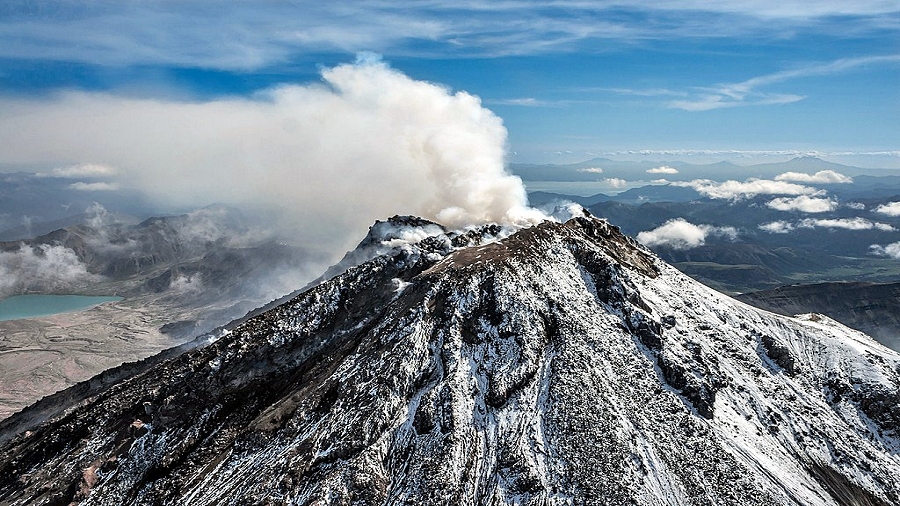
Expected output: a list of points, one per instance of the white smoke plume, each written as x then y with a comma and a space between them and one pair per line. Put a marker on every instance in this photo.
365, 143
681, 234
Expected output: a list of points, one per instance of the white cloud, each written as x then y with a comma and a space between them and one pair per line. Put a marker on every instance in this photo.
748, 92
43, 268
777, 227
93, 187
681, 234
531, 102
187, 284
890, 209
662, 170
803, 203
592, 170
750, 188
367, 143
85, 170
823, 177
845, 223
251, 35
710, 101
859, 206
615, 182
890, 250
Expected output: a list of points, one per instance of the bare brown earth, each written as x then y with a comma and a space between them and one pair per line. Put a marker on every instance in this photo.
40, 356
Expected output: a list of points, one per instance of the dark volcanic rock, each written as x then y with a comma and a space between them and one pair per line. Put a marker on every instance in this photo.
563, 364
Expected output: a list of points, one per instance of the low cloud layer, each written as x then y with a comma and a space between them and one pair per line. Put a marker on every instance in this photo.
889, 250
777, 227
41, 268
890, 209
803, 203
681, 234
846, 223
821, 177
736, 190
98, 186
662, 170
84, 170
782, 227
365, 143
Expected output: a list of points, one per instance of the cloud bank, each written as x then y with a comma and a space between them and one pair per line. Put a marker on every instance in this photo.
42, 269
821, 177
777, 227
84, 170
365, 143
890, 209
889, 250
803, 203
681, 234
846, 223
783, 227
663, 170
736, 190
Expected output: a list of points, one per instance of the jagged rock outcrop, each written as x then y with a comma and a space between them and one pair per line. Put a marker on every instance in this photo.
563, 364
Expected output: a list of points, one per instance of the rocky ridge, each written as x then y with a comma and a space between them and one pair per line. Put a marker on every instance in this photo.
562, 364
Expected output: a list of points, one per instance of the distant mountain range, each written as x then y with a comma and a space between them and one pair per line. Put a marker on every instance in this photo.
600, 168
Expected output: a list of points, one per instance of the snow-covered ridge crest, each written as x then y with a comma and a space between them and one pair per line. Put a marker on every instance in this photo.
416, 234
412, 234
563, 364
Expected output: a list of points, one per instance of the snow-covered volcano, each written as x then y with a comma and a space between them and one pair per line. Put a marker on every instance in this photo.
562, 364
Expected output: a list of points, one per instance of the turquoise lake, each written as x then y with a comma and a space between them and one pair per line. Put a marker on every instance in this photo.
31, 306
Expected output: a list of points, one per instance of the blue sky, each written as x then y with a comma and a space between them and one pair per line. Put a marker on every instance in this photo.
570, 79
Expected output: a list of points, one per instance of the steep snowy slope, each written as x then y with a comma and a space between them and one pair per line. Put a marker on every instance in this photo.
564, 364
